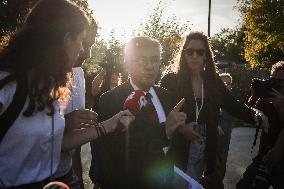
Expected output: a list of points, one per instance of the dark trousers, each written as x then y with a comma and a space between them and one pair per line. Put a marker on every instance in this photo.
249, 181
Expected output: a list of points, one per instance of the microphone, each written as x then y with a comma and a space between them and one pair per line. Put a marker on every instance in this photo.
135, 102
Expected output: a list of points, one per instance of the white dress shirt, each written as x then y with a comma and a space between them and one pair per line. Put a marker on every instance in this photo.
158, 106
156, 102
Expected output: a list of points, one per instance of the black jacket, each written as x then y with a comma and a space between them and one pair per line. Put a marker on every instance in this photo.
134, 159
216, 96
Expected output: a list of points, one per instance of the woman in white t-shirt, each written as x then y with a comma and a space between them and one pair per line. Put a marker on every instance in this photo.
38, 61
42, 53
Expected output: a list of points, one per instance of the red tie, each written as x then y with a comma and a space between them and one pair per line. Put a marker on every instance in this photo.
153, 116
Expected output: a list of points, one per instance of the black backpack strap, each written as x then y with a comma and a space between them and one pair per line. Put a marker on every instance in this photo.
12, 112
6, 80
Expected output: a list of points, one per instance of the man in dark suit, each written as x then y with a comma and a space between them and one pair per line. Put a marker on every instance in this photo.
137, 158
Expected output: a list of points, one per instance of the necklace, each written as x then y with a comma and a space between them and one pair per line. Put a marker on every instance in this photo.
198, 109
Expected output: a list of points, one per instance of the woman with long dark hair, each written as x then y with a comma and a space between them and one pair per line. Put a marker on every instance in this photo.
36, 65
194, 78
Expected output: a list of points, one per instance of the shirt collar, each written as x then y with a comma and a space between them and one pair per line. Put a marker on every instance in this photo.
151, 90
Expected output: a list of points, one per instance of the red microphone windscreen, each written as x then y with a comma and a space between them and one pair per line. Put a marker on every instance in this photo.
56, 185
135, 101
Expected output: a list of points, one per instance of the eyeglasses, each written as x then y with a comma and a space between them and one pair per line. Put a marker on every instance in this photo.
190, 51
143, 61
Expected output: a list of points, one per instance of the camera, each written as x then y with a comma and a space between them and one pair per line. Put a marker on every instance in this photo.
263, 88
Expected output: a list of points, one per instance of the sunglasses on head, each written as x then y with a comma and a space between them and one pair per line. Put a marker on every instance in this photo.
190, 51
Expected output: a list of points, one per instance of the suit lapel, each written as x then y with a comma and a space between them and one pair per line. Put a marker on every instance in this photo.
163, 97
125, 91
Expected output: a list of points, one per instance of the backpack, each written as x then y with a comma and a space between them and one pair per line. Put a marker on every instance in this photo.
8, 117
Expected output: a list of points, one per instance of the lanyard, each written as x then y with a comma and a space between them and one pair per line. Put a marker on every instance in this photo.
197, 109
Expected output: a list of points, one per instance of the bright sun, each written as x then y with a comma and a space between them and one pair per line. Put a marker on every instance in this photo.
124, 16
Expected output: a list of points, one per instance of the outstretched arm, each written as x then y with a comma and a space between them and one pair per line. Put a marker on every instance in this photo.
81, 135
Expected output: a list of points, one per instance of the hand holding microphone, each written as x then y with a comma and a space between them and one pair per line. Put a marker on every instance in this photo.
135, 102
126, 119
119, 122
132, 106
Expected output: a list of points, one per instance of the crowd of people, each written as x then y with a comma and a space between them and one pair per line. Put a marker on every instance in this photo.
139, 133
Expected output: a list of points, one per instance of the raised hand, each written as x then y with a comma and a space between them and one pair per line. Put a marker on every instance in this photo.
78, 119
175, 118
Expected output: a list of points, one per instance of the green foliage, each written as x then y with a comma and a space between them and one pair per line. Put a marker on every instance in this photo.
114, 50
14, 12
114, 54
168, 31
103, 53
91, 67
228, 45
242, 75
264, 28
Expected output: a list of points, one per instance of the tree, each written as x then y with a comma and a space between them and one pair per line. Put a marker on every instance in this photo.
228, 45
14, 12
107, 55
167, 30
242, 75
91, 67
114, 50
264, 27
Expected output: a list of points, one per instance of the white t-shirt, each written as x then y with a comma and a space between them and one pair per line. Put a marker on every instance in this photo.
76, 101
25, 151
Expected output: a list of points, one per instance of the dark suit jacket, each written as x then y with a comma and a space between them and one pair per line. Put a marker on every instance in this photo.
134, 159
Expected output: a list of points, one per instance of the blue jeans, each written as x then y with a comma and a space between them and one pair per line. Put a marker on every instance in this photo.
195, 166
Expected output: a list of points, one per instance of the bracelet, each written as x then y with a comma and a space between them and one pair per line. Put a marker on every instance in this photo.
98, 133
101, 129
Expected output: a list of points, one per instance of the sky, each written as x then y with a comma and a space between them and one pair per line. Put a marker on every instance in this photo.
124, 16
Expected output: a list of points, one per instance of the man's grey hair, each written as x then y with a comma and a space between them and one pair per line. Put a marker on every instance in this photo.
137, 43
